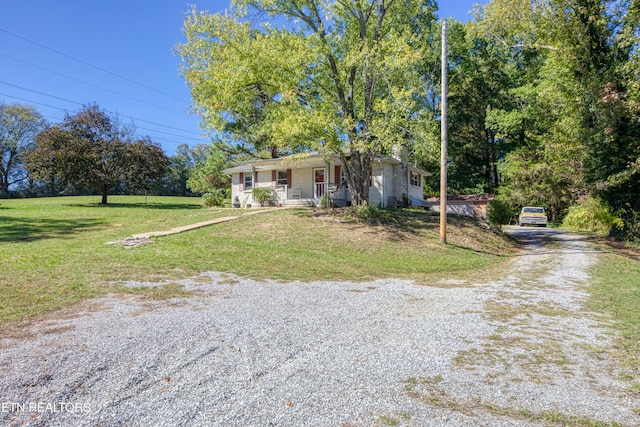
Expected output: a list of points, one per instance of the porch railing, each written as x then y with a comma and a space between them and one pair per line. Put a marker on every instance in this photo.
319, 189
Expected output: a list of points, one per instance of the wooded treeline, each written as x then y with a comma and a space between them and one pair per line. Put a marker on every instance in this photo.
544, 97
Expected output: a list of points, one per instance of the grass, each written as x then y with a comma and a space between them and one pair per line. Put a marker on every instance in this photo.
428, 391
54, 250
615, 290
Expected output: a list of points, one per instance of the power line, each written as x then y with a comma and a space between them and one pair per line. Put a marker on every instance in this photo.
91, 65
184, 138
78, 103
89, 84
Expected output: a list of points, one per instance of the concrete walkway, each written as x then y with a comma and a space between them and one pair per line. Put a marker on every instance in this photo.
142, 238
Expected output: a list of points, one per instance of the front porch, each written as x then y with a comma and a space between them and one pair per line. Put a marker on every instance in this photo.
282, 195
311, 180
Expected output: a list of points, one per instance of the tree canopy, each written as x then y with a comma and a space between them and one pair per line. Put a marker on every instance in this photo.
94, 149
544, 104
342, 77
19, 125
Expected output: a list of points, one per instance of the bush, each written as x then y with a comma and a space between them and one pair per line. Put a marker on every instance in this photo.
592, 215
499, 213
366, 213
214, 198
263, 195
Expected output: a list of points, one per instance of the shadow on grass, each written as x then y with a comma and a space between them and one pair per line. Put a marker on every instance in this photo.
28, 230
410, 226
141, 205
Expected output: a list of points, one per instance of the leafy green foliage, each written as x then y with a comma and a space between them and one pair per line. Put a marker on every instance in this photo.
206, 174
578, 116
19, 125
369, 214
215, 198
93, 149
262, 195
340, 77
147, 164
592, 214
499, 213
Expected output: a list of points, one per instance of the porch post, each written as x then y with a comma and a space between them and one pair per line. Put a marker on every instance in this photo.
327, 180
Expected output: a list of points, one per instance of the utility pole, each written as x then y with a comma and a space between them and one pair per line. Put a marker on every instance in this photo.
443, 136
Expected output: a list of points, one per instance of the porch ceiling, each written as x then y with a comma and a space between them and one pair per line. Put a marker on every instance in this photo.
277, 164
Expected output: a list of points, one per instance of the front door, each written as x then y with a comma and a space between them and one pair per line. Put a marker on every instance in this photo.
318, 183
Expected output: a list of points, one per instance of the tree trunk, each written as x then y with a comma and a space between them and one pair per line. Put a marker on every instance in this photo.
104, 196
358, 169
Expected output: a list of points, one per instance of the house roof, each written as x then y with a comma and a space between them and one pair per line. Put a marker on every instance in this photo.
302, 161
288, 162
464, 198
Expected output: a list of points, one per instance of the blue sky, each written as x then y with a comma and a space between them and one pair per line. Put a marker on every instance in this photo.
60, 54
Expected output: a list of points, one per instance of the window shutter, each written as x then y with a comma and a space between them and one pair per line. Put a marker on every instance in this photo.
288, 178
241, 181
337, 175
255, 179
274, 177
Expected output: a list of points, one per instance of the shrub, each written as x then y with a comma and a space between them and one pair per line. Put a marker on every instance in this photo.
592, 215
499, 213
366, 213
263, 195
214, 198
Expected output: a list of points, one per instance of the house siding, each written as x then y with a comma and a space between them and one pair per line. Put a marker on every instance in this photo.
390, 181
303, 178
415, 191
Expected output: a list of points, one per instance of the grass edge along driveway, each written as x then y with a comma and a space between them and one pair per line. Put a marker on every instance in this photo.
54, 250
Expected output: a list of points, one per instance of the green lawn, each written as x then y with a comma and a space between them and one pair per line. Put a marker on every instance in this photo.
615, 291
54, 250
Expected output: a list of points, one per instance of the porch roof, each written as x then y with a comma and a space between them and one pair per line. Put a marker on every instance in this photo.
280, 163
300, 162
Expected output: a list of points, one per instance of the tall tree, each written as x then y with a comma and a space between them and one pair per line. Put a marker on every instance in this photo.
587, 131
147, 165
206, 175
178, 169
341, 77
19, 125
93, 149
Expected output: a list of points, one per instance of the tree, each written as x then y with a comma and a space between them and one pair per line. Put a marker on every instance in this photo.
585, 106
147, 164
206, 175
93, 149
19, 125
179, 168
341, 77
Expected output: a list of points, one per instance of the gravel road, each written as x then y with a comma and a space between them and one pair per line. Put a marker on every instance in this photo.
521, 351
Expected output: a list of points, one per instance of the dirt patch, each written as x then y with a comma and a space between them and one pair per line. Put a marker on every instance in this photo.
49, 323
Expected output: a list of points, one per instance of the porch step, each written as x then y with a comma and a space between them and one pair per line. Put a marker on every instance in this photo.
299, 202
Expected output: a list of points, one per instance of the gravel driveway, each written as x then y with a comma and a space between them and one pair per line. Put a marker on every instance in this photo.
521, 351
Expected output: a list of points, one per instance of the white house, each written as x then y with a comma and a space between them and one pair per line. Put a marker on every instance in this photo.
296, 180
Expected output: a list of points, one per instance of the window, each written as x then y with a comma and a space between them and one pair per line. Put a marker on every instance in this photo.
282, 178
415, 179
248, 181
